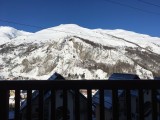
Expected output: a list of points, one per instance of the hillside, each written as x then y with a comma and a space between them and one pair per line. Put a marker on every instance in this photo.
77, 53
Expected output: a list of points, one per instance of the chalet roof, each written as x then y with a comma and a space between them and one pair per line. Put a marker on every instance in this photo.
158, 91
156, 78
55, 76
108, 93
123, 76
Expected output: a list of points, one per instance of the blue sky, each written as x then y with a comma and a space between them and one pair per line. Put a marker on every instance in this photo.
86, 13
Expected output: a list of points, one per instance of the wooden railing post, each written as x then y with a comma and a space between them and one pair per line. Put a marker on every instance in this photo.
4, 104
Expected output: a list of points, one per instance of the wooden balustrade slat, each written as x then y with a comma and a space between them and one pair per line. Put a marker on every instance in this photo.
89, 103
4, 104
41, 104
65, 102
154, 104
53, 104
101, 94
77, 105
115, 104
29, 105
128, 104
17, 104
141, 104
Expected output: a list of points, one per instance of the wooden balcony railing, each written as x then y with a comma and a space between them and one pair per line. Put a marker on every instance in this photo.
42, 86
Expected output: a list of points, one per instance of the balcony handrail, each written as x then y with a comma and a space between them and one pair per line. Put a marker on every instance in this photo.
79, 84
64, 85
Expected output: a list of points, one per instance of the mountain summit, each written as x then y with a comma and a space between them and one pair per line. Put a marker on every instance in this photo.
77, 53
9, 33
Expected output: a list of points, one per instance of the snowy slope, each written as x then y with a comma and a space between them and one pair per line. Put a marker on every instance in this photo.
136, 38
77, 53
9, 33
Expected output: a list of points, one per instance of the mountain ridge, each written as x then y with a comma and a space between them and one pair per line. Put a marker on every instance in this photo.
79, 53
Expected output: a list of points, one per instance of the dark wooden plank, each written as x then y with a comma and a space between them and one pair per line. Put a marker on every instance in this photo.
41, 104
29, 106
115, 104
17, 104
53, 104
141, 104
101, 94
81, 84
77, 105
128, 104
4, 104
65, 102
154, 104
89, 102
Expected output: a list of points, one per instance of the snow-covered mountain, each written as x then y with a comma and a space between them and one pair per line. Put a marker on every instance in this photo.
9, 33
77, 53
